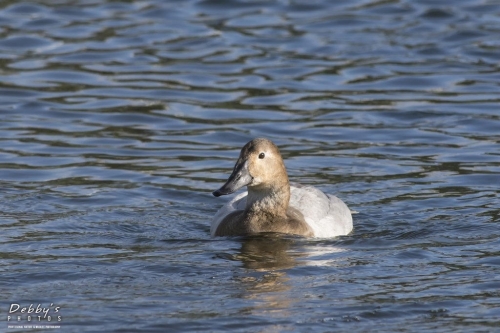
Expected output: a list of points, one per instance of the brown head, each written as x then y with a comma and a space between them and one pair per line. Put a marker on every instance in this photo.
259, 166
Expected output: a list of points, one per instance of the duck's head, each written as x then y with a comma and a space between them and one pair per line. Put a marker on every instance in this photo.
259, 166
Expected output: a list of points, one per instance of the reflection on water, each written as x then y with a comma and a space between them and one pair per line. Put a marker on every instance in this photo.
266, 284
118, 119
267, 260
268, 252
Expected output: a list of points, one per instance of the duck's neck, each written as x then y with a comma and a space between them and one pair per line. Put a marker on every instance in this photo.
273, 199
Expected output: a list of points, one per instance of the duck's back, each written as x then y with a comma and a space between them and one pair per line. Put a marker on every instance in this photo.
327, 215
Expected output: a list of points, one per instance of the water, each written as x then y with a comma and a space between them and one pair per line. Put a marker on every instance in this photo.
119, 118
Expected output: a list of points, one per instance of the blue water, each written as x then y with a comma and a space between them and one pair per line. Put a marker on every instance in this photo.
118, 119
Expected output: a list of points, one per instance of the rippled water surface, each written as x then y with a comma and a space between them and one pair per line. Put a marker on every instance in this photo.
118, 119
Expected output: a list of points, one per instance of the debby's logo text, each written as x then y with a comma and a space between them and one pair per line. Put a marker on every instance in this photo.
18, 313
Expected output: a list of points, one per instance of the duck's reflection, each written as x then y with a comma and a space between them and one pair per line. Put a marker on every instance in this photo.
267, 252
268, 259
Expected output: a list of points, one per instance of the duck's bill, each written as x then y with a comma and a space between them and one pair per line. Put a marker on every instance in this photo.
239, 178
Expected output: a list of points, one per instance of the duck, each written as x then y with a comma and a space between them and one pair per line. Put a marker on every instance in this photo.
271, 204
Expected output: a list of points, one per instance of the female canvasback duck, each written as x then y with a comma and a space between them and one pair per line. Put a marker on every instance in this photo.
271, 204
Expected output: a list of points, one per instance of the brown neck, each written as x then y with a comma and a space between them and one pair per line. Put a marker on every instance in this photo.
272, 199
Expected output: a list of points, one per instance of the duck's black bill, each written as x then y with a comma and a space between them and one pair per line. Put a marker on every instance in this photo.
239, 178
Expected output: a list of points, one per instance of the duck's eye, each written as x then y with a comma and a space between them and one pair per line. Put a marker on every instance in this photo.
262, 155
